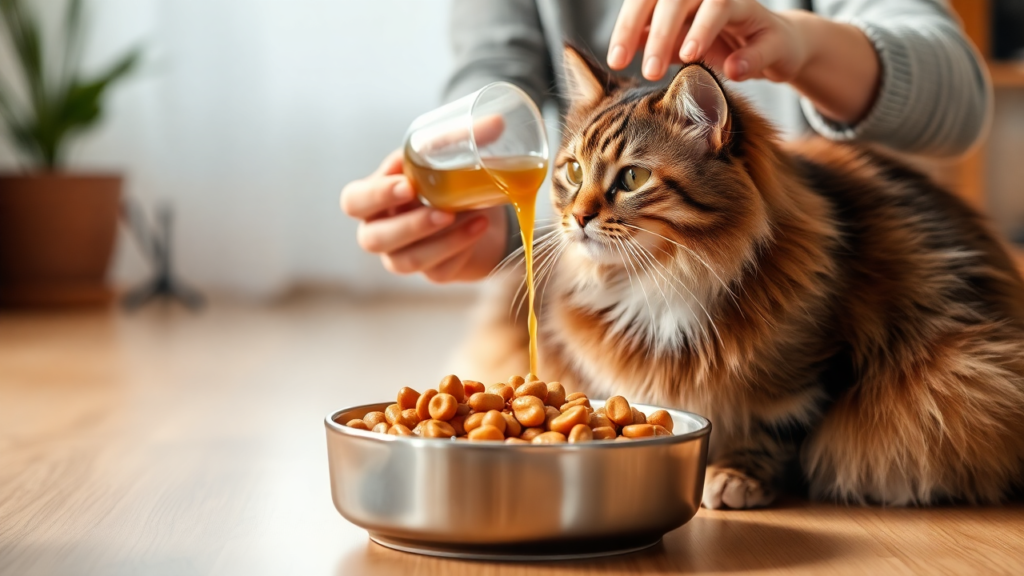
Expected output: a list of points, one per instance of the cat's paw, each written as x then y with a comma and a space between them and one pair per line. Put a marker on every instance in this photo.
728, 488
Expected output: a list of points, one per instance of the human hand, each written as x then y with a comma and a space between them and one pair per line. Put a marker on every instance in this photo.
410, 237
740, 38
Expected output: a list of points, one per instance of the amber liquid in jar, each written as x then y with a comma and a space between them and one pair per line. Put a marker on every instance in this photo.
514, 179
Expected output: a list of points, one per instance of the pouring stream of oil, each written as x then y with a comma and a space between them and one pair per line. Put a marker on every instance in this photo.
518, 179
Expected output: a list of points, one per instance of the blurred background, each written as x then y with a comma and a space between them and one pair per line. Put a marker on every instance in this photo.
248, 116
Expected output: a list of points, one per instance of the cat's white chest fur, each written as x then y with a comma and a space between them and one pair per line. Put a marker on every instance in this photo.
652, 306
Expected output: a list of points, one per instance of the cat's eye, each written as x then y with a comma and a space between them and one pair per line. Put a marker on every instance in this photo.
633, 177
574, 172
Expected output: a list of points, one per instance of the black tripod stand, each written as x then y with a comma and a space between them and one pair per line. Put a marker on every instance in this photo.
155, 243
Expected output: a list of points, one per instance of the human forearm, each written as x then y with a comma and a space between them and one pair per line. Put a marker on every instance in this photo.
841, 73
933, 95
498, 40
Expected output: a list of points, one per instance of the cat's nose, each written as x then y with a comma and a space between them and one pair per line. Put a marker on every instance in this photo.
582, 217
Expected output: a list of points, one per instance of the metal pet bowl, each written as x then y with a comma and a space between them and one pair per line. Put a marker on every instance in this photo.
487, 500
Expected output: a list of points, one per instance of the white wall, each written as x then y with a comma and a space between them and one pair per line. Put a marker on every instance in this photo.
250, 115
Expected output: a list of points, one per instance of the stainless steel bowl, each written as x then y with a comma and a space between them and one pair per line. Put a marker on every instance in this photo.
490, 500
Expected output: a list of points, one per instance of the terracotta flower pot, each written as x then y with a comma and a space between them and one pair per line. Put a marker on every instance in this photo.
57, 236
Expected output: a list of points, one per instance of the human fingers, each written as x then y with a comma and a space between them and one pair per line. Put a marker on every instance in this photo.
711, 17
450, 270
387, 235
365, 198
392, 164
629, 25
485, 130
488, 129
716, 55
666, 22
433, 251
758, 59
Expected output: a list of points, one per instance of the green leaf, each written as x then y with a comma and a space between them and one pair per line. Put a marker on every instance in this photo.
81, 104
24, 35
72, 42
57, 110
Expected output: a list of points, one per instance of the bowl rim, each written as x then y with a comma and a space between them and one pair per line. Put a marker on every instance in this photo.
333, 425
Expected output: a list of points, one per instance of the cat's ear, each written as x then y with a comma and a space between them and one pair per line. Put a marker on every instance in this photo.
585, 80
696, 96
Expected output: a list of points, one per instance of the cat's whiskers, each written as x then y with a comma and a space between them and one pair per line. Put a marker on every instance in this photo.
694, 254
655, 320
650, 311
521, 251
554, 262
642, 252
543, 270
672, 280
540, 251
554, 243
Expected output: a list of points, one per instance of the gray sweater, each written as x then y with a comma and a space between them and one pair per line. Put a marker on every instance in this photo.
934, 97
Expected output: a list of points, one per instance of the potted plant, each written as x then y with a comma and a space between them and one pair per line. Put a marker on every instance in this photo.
57, 228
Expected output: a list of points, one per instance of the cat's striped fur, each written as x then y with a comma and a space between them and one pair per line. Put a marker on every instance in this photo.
822, 304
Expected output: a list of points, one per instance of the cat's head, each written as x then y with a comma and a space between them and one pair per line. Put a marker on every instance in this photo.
649, 174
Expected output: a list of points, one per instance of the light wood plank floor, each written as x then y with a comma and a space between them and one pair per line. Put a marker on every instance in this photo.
173, 444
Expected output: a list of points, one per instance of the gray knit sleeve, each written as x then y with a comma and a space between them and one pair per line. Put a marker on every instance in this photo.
934, 97
498, 40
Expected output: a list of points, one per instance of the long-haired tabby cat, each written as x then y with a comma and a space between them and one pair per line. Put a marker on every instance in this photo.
825, 306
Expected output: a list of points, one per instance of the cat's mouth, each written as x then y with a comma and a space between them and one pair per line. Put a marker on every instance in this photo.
594, 245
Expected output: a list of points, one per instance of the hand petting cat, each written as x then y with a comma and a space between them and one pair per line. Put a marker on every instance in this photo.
832, 63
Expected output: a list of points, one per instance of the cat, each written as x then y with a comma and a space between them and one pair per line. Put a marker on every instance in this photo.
829, 309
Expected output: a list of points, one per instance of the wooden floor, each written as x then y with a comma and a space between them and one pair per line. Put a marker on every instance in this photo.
173, 444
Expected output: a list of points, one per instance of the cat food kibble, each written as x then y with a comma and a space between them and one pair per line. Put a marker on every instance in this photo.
519, 411
407, 398
484, 401
374, 418
556, 394
472, 387
501, 389
399, 430
531, 433
474, 421
637, 430
638, 416
512, 426
423, 404
357, 424
618, 411
580, 433
536, 389
529, 410
392, 413
549, 438
452, 385
487, 433
567, 420
443, 407
494, 419
658, 418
